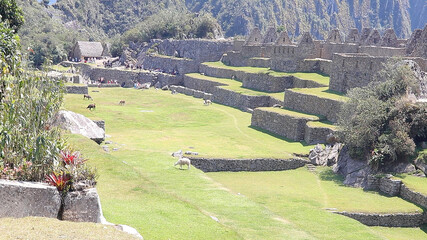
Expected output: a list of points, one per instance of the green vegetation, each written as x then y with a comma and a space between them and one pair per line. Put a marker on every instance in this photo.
305, 76
322, 92
380, 122
236, 86
32, 228
11, 14
292, 113
169, 23
139, 186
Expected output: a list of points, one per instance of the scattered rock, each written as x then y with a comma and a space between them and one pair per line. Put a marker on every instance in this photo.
108, 142
79, 124
420, 164
215, 218
105, 148
157, 85
325, 157
115, 149
165, 88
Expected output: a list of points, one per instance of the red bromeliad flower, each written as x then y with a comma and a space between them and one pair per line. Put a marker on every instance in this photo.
59, 180
71, 158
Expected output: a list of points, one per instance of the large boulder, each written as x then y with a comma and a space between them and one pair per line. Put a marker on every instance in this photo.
23, 199
325, 157
354, 171
82, 206
79, 124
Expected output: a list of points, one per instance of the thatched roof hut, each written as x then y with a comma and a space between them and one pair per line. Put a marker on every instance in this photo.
84, 50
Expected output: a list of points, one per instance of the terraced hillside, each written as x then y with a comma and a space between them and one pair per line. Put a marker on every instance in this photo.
307, 107
139, 186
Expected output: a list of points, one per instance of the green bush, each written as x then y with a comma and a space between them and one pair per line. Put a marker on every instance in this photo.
380, 122
25, 132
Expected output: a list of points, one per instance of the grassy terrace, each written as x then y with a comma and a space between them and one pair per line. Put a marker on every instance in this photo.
416, 183
292, 113
322, 92
322, 124
236, 86
305, 76
139, 186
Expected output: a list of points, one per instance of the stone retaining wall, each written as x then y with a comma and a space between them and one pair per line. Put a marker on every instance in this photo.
312, 104
77, 89
201, 84
280, 124
128, 77
315, 135
252, 165
389, 186
321, 66
237, 100
387, 220
192, 92
413, 197
259, 81
170, 64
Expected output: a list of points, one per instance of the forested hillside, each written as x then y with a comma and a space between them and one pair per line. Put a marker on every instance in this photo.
55, 27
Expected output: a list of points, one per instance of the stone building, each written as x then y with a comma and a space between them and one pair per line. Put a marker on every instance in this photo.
83, 50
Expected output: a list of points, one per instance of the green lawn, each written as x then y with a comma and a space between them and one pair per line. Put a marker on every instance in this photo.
293, 113
59, 68
301, 197
321, 79
416, 183
140, 187
236, 86
322, 92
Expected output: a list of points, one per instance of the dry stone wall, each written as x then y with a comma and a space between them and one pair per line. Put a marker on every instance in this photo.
312, 104
170, 64
77, 89
353, 70
413, 197
387, 220
281, 124
199, 50
315, 135
252, 165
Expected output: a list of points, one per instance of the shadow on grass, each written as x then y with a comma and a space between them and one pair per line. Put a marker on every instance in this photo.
334, 92
424, 228
328, 175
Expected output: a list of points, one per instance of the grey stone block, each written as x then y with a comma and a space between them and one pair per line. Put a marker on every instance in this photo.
23, 199
82, 206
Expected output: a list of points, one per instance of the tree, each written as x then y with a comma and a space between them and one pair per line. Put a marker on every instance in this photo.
11, 14
382, 122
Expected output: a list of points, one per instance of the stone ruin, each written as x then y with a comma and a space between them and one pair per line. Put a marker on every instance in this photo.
365, 34
283, 39
255, 37
374, 38
270, 36
389, 38
353, 36
334, 36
